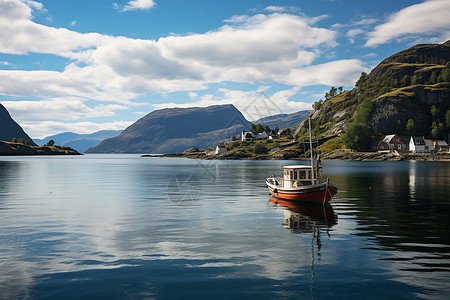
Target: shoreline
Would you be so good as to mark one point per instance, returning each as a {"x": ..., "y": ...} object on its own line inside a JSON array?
[
  {"x": 341, "y": 156},
  {"x": 16, "y": 149}
]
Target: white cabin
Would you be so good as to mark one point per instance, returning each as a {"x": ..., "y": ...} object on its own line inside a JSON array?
[
  {"x": 296, "y": 176},
  {"x": 220, "y": 150}
]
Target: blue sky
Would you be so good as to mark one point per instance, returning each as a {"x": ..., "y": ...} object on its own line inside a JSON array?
[{"x": 83, "y": 66}]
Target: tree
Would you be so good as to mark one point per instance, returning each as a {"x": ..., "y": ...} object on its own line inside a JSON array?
[
  {"x": 317, "y": 105},
  {"x": 358, "y": 137},
  {"x": 406, "y": 80},
  {"x": 414, "y": 80},
  {"x": 362, "y": 79},
  {"x": 410, "y": 127},
  {"x": 14, "y": 140},
  {"x": 277, "y": 129},
  {"x": 433, "y": 77},
  {"x": 434, "y": 111},
  {"x": 260, "y": 148},
  {"x": 332, "y": 93},
  {"x": 50, "y": 143}
]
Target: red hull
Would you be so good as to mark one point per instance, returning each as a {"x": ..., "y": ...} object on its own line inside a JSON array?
[{"x": 319, "y": 193}]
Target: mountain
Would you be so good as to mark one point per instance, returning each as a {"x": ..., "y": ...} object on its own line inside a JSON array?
[
  {"x": 407, "y": 93},
  {"x": 284, "y": 120},
  {"x": 9, "y": 129},
  {"x": 80, "y": 142},
  {"x": 177, "y": 129}
]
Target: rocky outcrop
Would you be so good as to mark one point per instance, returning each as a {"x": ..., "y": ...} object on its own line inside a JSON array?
[{"x": 388, "y": 99}]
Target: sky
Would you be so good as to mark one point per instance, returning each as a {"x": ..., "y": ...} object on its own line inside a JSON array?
[{"x": 84, "y": 66}]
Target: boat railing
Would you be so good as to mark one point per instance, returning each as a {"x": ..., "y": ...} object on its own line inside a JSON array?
[{"x": 276, "y": 181}]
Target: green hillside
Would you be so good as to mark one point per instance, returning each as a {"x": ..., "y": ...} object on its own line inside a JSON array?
[{"x": 407, "y": 93}]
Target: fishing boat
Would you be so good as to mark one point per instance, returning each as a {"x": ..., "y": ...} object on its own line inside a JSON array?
[{"x": 301, "y": 183}]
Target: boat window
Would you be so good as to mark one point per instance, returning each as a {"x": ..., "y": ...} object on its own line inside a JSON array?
[
  {"x": 302, "y": 174},
  {"x": 295, "y": 175}
]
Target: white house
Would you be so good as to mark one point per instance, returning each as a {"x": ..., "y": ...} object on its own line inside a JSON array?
[
  {"x": 220, "y": 149},
  {"x": 420, "y": 144},
  {"x": 247, "y": 136}
]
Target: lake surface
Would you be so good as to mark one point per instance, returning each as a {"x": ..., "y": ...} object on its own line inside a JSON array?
[{"x": 121, "y": 226}]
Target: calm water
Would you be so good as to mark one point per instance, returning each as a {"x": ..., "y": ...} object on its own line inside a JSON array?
[{"x": 121, "y": 226}]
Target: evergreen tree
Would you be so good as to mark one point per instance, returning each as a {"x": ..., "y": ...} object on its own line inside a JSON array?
[
  {"x": 358, "y": 137},
  {"x": 406, "y": 80},
  {"x": 433, "y": 78},
  {"x": 362, "y": 79},
  {"x": 410, "y": 127}
]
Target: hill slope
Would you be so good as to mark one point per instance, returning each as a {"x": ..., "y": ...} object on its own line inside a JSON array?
[
  {"x": 407, "y": 93},
  {"x": 79, "y": 142},
  {"x": 9, "y": 129},
  {"x": 176, "y": 129}
]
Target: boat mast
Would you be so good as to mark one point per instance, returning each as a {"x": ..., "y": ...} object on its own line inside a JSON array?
[{"x": 311, "y": 150}]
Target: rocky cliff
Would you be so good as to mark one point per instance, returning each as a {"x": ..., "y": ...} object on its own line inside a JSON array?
[{"x": 408, "y": 89}]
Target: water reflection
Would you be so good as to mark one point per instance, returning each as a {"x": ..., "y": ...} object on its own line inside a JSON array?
[
  {"x": 306, "y": 217},
  {"x": 108, "y": 227}
]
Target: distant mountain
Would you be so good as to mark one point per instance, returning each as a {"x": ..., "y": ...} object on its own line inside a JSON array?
[
  {"x": 284, "y": 120},
  {"x": 408, "y": 93},
  {"x": 177, "y": 129},
  {"x": 79, "y": 142},
  {"x": 9, "y": 129}
]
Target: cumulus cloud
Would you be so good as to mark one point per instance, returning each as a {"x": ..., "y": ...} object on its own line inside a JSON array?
[
  {"x": 258, "y": 48},
  {"x": 429, "y": 18},
  {"x": 62, "y": 109},
  {"x": 263, "y": 48},
  {"x": 139, "y": 5},
  {"x": 340, "y": 72}
]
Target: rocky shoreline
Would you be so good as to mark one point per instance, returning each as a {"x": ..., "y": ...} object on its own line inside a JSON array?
[
  {"x": 345, "y": 156},
  {"x": 14, "y": 149}
]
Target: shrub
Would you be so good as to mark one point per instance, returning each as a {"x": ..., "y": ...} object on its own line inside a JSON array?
[{"x": 260, "y": 148}]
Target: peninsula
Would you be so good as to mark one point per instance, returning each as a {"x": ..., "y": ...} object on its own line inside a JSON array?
[{"x": 10, "y": 149}]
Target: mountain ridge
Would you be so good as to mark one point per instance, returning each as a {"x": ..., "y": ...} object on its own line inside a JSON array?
[
  {"x": 77, "y": 141},
  {"x": 177, "y": 129},
  {"x": 10, "y": 129}
]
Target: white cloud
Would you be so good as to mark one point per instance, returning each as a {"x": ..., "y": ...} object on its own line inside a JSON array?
[
  {"x": 265, "y": 49},
  {"x": 354, "y": 32},
  {"x": 139, "y": 5},
  {"x": 340, "y": 72},
  {"x": 260, "y": 48},
  {"x": 59, "y": 109},
  {"x": 429, "y": 19},
  {"x": 363, "y": 22},
  {"x": 41, "y": 130}
]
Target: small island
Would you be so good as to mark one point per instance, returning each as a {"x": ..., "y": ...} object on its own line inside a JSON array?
[{"x": 10, "y": 149}]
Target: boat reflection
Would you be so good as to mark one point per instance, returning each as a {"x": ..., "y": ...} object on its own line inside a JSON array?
[{"x": 306, "y": 217}]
